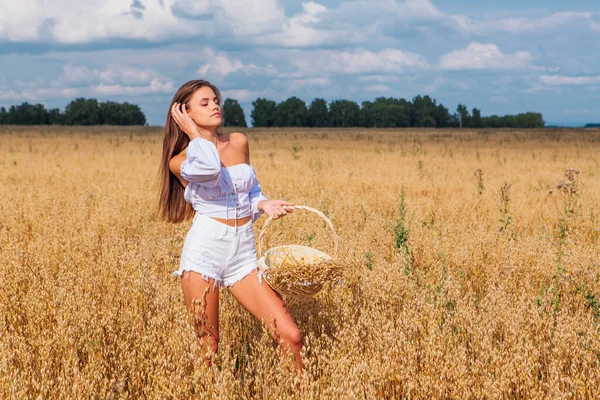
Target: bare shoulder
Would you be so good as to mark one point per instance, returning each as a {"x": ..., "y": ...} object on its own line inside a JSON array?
[
  {"x": 240, "y": 142},
  {"x": 238, "y": 139}
]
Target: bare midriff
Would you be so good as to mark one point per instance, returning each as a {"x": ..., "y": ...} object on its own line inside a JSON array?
[{"x": 232, "y": 222}]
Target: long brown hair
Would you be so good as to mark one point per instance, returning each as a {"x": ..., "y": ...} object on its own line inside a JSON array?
[{"x": 172, "y": 206}]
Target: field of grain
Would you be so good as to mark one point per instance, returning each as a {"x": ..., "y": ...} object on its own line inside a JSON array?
[{"x": 475, "y": 268}]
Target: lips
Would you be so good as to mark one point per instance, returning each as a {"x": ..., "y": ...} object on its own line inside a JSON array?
[{"x": 216, "y": 115}]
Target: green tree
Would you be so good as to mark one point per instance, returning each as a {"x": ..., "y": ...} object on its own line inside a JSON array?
[
  {"x": 113, "y": 113},
  {"x": 133, "y": 114},
  {"x": 234, "y": 114},
  {"x": 27, "y": 114},
  {"x": 385, "y": 113},
  {"x": 454, "y": 121},
  {"x": 423, "y": 112},
  {"x": 367, "y": 114},
  {"x": 291, "y": 112},
  {"x": 55, "y": 117},
  {"x": 318, "y": 114},
  {"x": 510, "y": 121},
  {"x": 493, "y": 121},
  {"x": 442, "y": 117},
  {"x": 344, "y": 113},
  {"x": 476, "y": 121},
  {"x": 78, "y": 112},
  {"x": 463, "y": 116},
  {"x": 83, "y": 112},
  {"x": 530, "y": 120},
  {"x": 263, "y": 112}
]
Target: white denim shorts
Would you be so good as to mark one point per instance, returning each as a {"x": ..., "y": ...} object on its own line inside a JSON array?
[{"x": 218, "y": 251}]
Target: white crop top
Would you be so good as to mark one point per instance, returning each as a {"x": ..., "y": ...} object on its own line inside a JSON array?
[{"x": 215, "y": 191}]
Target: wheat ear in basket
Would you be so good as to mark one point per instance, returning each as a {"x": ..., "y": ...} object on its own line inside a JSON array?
[{"x": 298, "y": 270}]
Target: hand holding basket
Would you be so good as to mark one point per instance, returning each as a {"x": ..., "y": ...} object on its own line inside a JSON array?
[{"x": 298, "y": 270}]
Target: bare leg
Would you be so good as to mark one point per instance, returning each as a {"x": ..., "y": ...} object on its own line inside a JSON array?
[
  {"x": 268, "y": 307},
  {"x": 202, "y": 302}
]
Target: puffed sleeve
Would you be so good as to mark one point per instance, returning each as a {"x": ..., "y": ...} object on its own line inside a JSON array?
[
  {"x": 202, "y": 164},
  {"x": 255, "y": 196}
]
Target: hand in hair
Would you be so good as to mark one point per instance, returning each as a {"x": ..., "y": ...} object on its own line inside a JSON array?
[{"x": 184, "y": 121}]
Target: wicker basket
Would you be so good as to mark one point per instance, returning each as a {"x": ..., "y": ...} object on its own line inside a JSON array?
[{"x": 315, "y": 268}]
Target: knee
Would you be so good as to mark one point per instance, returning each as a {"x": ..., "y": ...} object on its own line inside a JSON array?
[
  {"x": 208, "y": 351},
  {"x": 292, "y": 338},
  {"x": 213, "y": 346},
  {"x": 209, "y": 342}
]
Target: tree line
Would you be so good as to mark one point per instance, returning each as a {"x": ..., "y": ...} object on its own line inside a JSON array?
[
  {"x": 78, "y": 112},
  {"x": 422, "y": 111}
]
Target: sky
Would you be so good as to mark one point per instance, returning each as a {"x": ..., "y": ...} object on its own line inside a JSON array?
[{"x": 503, "y": 57}]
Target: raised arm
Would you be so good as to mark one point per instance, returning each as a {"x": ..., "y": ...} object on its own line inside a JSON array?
[{"x": 201, "y": 164}]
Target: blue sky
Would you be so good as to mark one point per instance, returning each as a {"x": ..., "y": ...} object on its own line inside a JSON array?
[{"x": 503, "y": 57}]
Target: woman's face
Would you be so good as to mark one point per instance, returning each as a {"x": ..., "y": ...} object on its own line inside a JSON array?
[{"x": 204, "y": 108}]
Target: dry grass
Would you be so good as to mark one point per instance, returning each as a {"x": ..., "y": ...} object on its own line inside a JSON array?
[{"x": 487, "y": 287}]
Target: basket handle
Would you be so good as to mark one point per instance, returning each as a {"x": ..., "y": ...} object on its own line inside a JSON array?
[{"x": 261, "y": 235}]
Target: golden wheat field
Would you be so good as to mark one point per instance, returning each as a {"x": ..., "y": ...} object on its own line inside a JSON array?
[{"x": 475, "y": 268}]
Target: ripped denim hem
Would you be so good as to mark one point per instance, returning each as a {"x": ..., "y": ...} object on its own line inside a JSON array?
[
  {"x": 216, "y": 281},
  {"x": 245, "y": 272}
]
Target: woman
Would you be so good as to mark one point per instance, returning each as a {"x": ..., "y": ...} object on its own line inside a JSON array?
[{"x": 208, "y": 173}]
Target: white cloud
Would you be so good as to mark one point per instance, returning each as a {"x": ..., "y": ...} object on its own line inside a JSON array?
[
  {"x": 433, "y": 86},
  {"x": 560, "y": 80},
  {"x": 38, "y": 95},
  {"x": 71, "y": 21},
  {"x": 577, "y": 111},
  {"x": 154, "y": 86},
  {"x": 498, "y": 99},
  {"x": 421, "y": 8},
  {"x": 405, "y": 11},
  {"x": 115, "y": 74},
  {"x": 303, "y": 30},
  {"x": 20, "y": 21},
  {"x": 77, "y": 80},
  {"x": 232, "y": 17},
  {"x": 240, "y": 95},
  {"x": 311, "y": 8},
  {"x": 195, "y": 8},
  {"x": 354, "y": 22},
  {"x": 479, "y": 56},
  {"x": 297, "y": 84},
  {"x": 521, "y": 25},
  {"x": 379, "y": 78},
  {"x": 221, "y": 65},
  {"x": 462, "y": 85},
  {"x": 552, "y": 21},
  {"x": 378, "y": 88},
  {"x": 243, "y": 17},
  {"x": 94, "y": 20},
  {"x": 245, "y": 96},
  {"x": 359, "y": 61}
]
